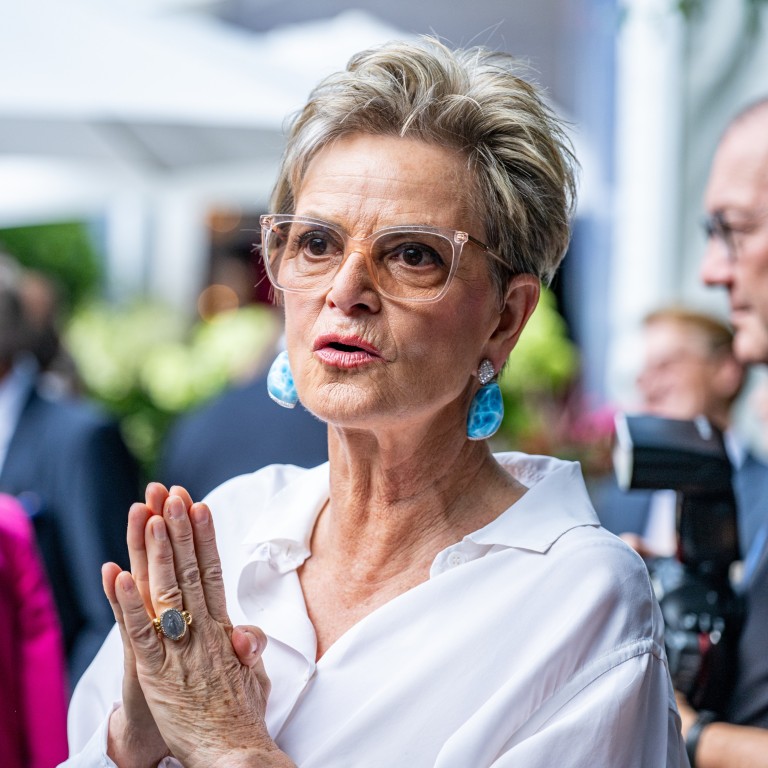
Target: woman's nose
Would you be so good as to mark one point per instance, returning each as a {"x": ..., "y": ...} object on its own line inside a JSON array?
[{"x": 353, "y": 285}]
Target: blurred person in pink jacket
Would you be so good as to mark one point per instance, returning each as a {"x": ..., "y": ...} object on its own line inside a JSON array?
[{"x": 32, "y": 679}]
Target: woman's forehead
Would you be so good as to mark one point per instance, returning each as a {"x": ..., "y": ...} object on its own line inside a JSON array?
[{"x": 376, "y": 181}]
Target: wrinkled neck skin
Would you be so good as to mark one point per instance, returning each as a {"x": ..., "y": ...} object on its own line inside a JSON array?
[{"x": 398, "y": 496}]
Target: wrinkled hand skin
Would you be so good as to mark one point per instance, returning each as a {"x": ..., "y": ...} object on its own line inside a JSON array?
[
  {"x": 206, "y": 703},
  {"x": 201, "y": 698},
  {"x": 134, "y": 739}
]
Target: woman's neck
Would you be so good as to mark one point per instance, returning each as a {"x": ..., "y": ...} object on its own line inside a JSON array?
[
  {"x": 389, "y": 500},
  {"x": 390, "y": 512}
]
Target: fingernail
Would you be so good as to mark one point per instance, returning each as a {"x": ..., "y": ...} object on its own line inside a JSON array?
[
  {"x": 176, "y": 508},
  {"x": 126, "y": 584},
  {"x": 256, "y": 646},
  {"x": 158, "y": 530},
  {"x": 201, "y": 515}
]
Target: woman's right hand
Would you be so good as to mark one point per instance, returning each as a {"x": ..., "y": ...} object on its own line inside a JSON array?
[{"x": 134, "y": 740}]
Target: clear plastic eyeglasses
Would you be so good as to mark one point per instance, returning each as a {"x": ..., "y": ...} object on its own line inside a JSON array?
[
  {"x": 410, "y": 263},
  {"x": 717, "y": 227}
]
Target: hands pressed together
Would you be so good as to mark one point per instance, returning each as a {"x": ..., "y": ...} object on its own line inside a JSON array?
[{"x": 200, "y": 698}]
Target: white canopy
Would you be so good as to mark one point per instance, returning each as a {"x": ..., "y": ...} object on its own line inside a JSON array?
[{"x": 149, "y": 118}]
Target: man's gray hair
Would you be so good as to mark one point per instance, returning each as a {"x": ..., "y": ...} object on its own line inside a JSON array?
[{"x": 471, "y": 100}]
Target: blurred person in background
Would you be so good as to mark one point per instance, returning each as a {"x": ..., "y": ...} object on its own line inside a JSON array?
[
  {"x": 33, "y": 702},
  {"x": 67, "y": 462},
  {"x": 40, "y": 298},
  {"x": 417, "y": 600},
  {"x": 688, "y": 370},
  {"x": 736, "y": 258}
]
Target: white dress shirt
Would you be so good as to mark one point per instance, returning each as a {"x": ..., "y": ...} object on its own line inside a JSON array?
[{"x": 536, "y": 641}]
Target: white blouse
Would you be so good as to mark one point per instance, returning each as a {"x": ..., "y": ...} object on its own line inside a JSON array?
[{"x": 536, "y": 641}]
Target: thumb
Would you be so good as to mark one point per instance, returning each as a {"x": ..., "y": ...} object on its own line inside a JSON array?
[{"x": 248, "y": 643}]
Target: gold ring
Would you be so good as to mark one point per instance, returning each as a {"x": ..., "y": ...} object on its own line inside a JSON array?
[{"x": 172, "y": 623}]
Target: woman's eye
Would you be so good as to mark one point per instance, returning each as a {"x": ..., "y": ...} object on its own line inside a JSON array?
[
  {"x": 316, "y": 244},
  {"x": 415, "y": 255}
]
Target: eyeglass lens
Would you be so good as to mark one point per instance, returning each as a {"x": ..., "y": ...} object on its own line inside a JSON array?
[
  {"x": 730, "y": 233},
  {"x": 716, "y": 228},
  {"x": 305, "y": 256}
]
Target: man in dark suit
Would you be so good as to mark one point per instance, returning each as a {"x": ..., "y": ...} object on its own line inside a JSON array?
[
  {"x": 237, "y": 432},
  {"x": 69, "y": 466},
  {"x": 736, "y": 258},
  {"x": 688, "y": 369}
]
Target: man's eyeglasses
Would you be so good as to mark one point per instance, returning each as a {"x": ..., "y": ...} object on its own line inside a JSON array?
[
  {"x": 410, "y": 263},
  {"x": 729, "y": 233}
]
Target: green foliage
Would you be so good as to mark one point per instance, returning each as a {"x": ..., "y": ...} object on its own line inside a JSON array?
[
  {"x": 146, "y": 365},
  {"x": 544, "y": 410},
  {"x": 63, "y": 251},
  {"x": 540, "y": 369}
]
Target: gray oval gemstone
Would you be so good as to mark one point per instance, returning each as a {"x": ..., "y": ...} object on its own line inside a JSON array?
[{"x": 172, "y": 623}]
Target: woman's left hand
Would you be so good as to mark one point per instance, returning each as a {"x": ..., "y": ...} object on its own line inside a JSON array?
[{"x": 207, "y": 690}]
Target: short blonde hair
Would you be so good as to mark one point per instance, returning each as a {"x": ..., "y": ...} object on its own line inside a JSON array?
[
  {"x": 474, "y": 101},
  {"x": 717, "y": 334}
]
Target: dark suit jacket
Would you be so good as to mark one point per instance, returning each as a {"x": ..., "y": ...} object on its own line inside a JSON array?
[
  {"x": 237, "y": 432},
  {"x": 750, "y": 484},
  {"x": 72, "y": 471},
  {"x": 627, "y": 512},
  {"x": 749, "y": 700}
]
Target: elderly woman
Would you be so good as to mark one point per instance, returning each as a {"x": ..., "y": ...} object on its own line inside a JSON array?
[{"x": 417, "y": 601}]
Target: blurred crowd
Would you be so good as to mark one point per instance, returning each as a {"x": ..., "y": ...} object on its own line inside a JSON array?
[{"x": 67, "y": 479}]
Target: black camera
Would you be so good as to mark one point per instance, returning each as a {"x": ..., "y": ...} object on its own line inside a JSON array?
[{"x": 702, "y": 613}]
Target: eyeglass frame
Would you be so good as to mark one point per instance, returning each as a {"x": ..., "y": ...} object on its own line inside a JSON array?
[
  {"x": 716, "y": 226},
  {"x": 456, "y": 237}
]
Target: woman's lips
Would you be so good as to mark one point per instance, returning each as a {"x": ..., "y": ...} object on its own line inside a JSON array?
[{"x": 345, "y": 351}]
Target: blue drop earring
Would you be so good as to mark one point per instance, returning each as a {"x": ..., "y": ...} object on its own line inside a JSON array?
[
  {"x": 280, "y": 382},
  {"x": 486, "y": 410}
]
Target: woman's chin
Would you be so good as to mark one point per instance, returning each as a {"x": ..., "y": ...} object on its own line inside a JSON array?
[{"x": 344, "y": 405}]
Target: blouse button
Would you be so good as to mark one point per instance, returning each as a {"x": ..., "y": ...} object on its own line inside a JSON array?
[{"x": 456, "y": 558}]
